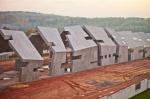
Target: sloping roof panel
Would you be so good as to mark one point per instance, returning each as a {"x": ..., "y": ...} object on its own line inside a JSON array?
[
  {"x": 51, "y": 35},
  {"x": 130, "y": 39},
  {"x": 99, "y": 33},
  {"x": 77, "y": 38},
  {"x": 22, "y": 45},
  {"x": 116, "y": 37},
  {"x": 143, "y": 38}
]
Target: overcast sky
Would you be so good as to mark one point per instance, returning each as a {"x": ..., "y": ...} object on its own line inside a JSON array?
[{"x": 83, "y": 8}]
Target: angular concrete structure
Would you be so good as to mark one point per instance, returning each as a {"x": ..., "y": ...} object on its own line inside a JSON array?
[
  {"x": 84, "y": 49},
  {"x": 135, "y": 47},
  {"x": 122, "y": 47},
  {"x": 144, "y": 39},
  {"x": 106, "y": 47},
  {"x": 29, "y": 59},
  {"x": 57, "y": 50}
]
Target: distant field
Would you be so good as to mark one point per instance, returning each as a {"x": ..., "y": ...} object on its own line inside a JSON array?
[{"x": 143, "y": 95}]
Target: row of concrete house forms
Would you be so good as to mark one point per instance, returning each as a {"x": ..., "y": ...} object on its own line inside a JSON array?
[
  {"x": 79, "y": 48},
  {"x": 74, "y": 49}
]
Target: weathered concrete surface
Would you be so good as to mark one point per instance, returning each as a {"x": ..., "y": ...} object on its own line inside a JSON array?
[
  {"x": 27, "y": 53},
  {"x": 135, "y": 47},
  {"x": 122, "y": 47},
  {"x": 57, "y": 50},
  {"x": 107, "y": 48},
  {"x": 144, "y": 39},
  {"x": 84, "y": 50}
]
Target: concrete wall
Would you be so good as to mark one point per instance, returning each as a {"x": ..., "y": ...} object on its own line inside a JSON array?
[
  {"x": 56, "y": 62},
  {"x": 29, "y": 72},
  {"x": 147, "y": 49},
  {"x": 137, "y": 53},
  {"x": 128, "y": 92},
  {"x": 107, "y": 50},
  {"x": 122, "y": 47},
  {"x": 88, "y": 59},
  {"x": 57, "y": 58},
  {"x": 123, "y": 54}
]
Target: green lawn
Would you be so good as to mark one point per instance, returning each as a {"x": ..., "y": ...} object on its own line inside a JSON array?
[{"x": 143, "y": 95}]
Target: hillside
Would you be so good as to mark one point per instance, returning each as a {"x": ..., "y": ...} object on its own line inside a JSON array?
[{"x": 28, "y": 20}]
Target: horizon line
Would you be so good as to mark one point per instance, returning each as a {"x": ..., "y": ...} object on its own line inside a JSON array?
[{"x": 76, "y": 16}]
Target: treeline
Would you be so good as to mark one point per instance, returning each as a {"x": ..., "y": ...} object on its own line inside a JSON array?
[{"x": 27, "y": 20}]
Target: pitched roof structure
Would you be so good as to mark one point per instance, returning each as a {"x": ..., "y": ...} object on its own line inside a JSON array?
[
  {"x": 131, "y": 40},
  {"x": 20, "y": 43},
  {"x": 143, "y": 38},
  {"x": 77, "y": 38},
  {"x": 116, "y": 37},
  {"x": 99, "y": 33},
  {"x": 52, "y": 38}
]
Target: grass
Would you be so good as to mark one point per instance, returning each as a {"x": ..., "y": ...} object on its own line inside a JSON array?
[{"x": 143, "y": 95}]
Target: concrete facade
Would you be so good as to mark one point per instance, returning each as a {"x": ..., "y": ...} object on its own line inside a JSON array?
[
  {"x": 122, "y": 47},
  {"x": 57, "y": 50},
  {"x": 106, "y": 47},
  {"x": 135, "y": 47},
  {"x": 84, "y": 50},
  {"x": 29, "y": 58},
  {"x": 129, "y": 91},
  {"x": 144, "y": 39}
]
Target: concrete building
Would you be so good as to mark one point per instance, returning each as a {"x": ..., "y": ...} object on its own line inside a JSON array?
[
  {"x": 49, "y": 38},
  {"x": 135, "y": 47},
  {"x": 144, "y": 39},
  {"x": 29, "y": 60},
  {"x": 106, "y": 47},
  {"x": 122, "y": 47},
  {"x": 84, "y": 49}
]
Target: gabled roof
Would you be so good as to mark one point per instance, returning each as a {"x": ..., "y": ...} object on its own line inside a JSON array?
[
  {"x": 131, "y": 40},
  {"x": 77, "y": 38},
  {"x": 116, "y": 37},
  {"x": 143, "y": 38},
  {"x": 51, "y": 36},
  {"x": 98, "y": 33},
  {"x": 20, "y": 43}
]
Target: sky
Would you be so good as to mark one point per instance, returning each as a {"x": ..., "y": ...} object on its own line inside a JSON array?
[{"x": 81, "y": 8}]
